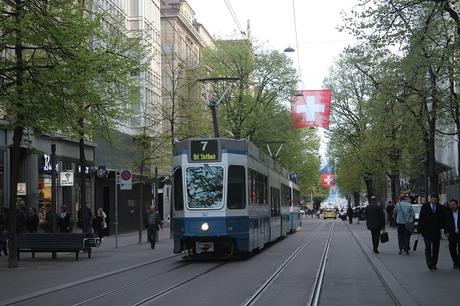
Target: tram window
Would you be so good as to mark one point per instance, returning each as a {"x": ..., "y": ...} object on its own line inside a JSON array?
[
  {"x": 275, "y": 201},
  {"x": 236, "y": 193},
  {"x": 205, "y": 186},
  {"x": 285, "y": 195},
  {"x": 257, "y": 187},
  {"x": 178, "y": 190}
]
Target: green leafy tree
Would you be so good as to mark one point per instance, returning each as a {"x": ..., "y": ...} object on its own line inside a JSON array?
[
  {"x": 60, "y": 71},
  {"x": 427, "y": 43},
  {"x": 256, "y": 106}
]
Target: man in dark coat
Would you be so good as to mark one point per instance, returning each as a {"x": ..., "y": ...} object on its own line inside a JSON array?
[
  {"x": 350, "y": 214},
  {"x": 431, "y": 221},
  {"x": 375, "y": 221},
  {"x": 452, "y": 230}
]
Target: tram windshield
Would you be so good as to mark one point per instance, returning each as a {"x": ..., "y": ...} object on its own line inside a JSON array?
[{"x": 205, "y": 186}]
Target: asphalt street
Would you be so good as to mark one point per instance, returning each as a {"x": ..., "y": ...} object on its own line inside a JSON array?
[{"x": 353, "y": 274}]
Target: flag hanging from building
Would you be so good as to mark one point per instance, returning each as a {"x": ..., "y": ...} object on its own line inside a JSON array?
[
  {"x": 327, "y": 178},
  {"x": 311, "y": 109}
]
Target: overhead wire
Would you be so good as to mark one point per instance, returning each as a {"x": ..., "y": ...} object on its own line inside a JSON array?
[
  {"x": 235, "y": 18},
  {"x": 296, "y": 39},
  {"x": 238, "y": 25}
]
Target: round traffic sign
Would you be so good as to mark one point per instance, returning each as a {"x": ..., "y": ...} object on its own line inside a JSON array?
[{"x": 125, "y": 175}]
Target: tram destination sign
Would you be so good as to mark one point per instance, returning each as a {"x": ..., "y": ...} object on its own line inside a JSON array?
[{"x": 204, "y": 150}]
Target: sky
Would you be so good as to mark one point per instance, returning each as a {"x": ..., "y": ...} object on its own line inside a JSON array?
[{"x": 272, "y": 23}]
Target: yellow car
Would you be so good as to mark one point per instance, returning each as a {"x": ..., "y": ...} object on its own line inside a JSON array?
[{"x": 329, "y": 213}]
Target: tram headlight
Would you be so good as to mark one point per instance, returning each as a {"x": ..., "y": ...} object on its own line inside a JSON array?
[{"x": 205, "y": 227}]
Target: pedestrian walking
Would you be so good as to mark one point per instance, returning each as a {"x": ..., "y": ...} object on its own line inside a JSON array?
[
  {"x": 20, "y": 220},
  {"x": 99, "y": 223},
  {"x": 42, "y": 218},
  {"x": 32, "y": 220},
  {"x": 404, "y": 222},
  {"x": 431, "y": 221},
  {"x": 4, "y": 224},
  {"x": 375, "y": 221},
  {"x": 51, "y": 220},
  {"x": 153, "y": 223},
  {"x": 390, "y": 208},
  {"x": 350, "y": 214},
  {"x": 64, "y": 220},
  {"x": 85, "y": 217},
  {"x": 452, "y": 230}
]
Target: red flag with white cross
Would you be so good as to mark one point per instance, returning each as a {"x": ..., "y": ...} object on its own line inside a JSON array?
[
  {"x": 328, "y": 180},
  {"x": 311, "y": 109}
]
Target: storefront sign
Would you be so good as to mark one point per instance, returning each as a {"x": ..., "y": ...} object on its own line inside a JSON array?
[
  {"x": 47, "y": 163},
  {"x": 22, "y": 190},
  {"x": 66, "y": 178}
]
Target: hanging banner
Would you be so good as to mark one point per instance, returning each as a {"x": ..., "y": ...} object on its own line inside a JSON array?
[{"x": 311, "y": 109}]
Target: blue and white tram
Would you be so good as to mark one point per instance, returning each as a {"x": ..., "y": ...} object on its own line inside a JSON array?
[
  {"x": 294, "y": 208},
  {"x": 228, "y": 197}
]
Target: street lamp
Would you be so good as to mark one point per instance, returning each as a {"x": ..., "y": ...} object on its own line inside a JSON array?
[{"x": 289, "y": 49}]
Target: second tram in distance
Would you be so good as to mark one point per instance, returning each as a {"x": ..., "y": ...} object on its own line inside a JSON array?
[{"x": 229, "y": 198}]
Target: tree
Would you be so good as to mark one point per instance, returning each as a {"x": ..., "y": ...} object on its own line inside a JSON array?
[
  {"x": 425, "y": 43},
  {"x": 256, "y": 106},
  {"x": 60, "y": 71}
]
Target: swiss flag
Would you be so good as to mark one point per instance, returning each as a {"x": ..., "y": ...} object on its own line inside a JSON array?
[
  {"x": 311, "y": 108},
  {"x": 328, "y": 180}
]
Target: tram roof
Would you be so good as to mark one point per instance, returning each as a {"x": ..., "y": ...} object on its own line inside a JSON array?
[{"x": 243, "y": 146}]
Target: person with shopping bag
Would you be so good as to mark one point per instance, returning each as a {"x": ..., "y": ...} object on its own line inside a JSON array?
[
  {"x": 375, "y": 221},
  {"x": 405, "y": 215}
]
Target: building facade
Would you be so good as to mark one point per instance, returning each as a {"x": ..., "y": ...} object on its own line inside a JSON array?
[{"x": 141, "y": 18}]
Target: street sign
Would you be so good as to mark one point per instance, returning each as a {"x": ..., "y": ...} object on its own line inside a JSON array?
[
  {"x": 126, "y": 180},
  {"x": 66, "y": 178}
]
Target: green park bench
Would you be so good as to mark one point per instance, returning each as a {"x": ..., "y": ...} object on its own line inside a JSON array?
[{"x": 55, "y": 242}]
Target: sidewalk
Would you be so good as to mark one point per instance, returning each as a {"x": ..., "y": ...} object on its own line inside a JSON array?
[{"x": 42, "y": 272}]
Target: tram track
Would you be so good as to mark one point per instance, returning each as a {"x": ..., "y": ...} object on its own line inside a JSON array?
[
  {"x": 65, "y": 286},
  {"x": 176, "y": 286},
  {"x": 313, "y": 299},
  {"x": 389, "y": 282},
  {"x": 252, "y": 300}
]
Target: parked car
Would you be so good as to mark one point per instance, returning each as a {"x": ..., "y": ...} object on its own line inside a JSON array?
[{"x": 343, "y": 214}]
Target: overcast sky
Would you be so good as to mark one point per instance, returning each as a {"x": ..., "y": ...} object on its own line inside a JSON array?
[{"x": 272, "y": 23}]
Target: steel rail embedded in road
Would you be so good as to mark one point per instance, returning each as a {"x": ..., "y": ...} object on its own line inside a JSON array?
[
  {"x": 253, "y": 298},
  {"x": 176, "y": 286},
  {"x": 313, "y": 299},
  {"x": 126, "y": 286},
  {"x": 81, "y": 281},
  {"x": 376, "y": 270}
]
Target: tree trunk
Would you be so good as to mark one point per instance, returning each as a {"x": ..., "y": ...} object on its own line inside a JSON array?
[
  {"x": 369, "y": 187},
  {"x": 82, "y": 174},
  {"x": 434, "y": 180},
  {"x": 17, "y": 138},
  {"x": 395, "y": 188},
  {"x": 356, "y": 199},
  {"x": 14, "y": 173}
]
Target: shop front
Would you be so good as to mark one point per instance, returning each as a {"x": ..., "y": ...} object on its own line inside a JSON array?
[{"x": 35, "y": 182}]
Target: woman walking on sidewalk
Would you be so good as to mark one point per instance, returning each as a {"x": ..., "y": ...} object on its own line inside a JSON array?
[{"x": 99, "y": 223}]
